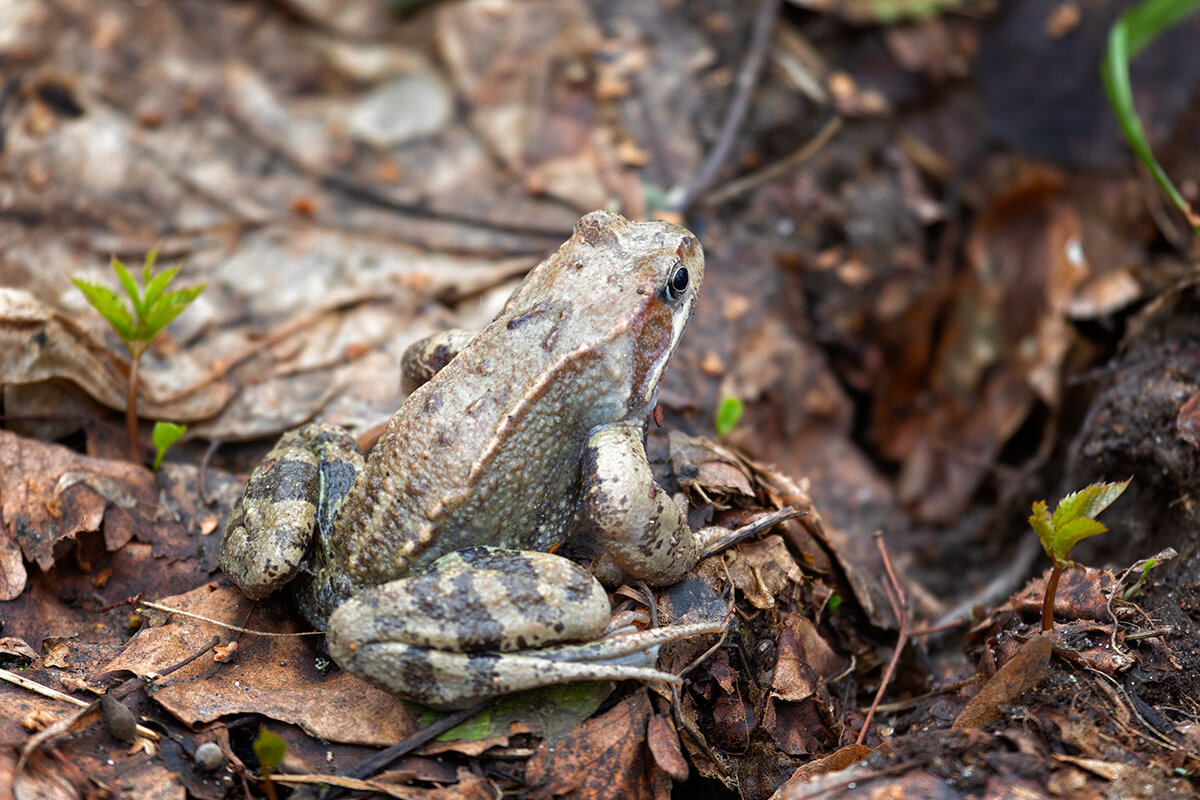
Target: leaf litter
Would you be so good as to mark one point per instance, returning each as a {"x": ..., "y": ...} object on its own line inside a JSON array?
[{"x": 907, "y": 320}]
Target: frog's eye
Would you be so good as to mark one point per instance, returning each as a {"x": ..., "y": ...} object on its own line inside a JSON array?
[{"x": 678, "y": 282}]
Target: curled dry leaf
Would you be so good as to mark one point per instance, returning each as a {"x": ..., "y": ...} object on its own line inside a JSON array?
[
  {"x": 37, "y": 343},
  {"x": 52, "y": 493}
]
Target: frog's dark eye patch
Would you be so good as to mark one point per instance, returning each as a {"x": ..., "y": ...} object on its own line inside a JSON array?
[{"x": 677, "y": 283}]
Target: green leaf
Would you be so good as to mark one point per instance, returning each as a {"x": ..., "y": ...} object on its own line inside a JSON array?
[
  {"x": 156, "y": 285},
  {"x": 549, "y": 711},
  {"x": 131, "y": 289},
  {"x": 1041, "y": 521},
  {"x": 1070, "y": 534},
  {"x": 728, "y": 414},
  {"x": 1133, "y": 30},
  {"x": 1088, "y": 501},
  {"x": 269, "y": 749},
  {"x": 151, "y": 258},
  {"x": 835, "y": 602},
  {"x": 164, "y": 435},
  {"x": 159, "y": 318},
  {"x": 110, "y": 305},
  {"x": 1074, "y": 518}
]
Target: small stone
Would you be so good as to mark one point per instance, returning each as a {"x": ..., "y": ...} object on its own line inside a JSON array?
[
  {"x": 208, "y": 757},
  {"x": 401, "y": 110}
]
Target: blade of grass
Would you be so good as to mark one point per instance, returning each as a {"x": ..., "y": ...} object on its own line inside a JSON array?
[{"x": 1133, "y": 30}]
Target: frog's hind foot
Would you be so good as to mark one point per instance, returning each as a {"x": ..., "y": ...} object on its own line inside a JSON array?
[{"x": 446, "y": 680}]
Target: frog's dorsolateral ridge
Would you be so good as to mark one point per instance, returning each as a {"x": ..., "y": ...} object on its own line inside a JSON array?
[{"x": 427, "y": 563}]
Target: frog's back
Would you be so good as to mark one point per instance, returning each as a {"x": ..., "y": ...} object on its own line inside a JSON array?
[{"x": 487, "y": 452}]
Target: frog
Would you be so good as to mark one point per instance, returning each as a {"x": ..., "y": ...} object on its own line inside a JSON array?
[{"x": 430, "y": 563}]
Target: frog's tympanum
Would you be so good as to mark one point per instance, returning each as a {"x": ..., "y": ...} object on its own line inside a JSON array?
[{"x": 429, "y": 563}]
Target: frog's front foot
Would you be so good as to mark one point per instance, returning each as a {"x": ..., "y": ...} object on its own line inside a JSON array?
[{"x": 484, "y": 622}]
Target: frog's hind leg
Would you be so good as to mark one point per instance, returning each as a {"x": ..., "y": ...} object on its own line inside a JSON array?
[
  {"x": 484, "y": 622},
  {"x": 424, "y": 358},
  {"x": 270, "y": 528}
]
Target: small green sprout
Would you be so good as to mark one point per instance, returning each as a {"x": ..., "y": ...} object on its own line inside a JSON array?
[
  {"x": 1141, "y": 581},
  {"x": 269, "y": 748},
  {"x": 163, "y": 436},
  {"x": 835, "y": 602},
  {"x": 153, "y": 309},
  {"x": 728, "y": 414},
  {"x": 1073, "y": 520}
]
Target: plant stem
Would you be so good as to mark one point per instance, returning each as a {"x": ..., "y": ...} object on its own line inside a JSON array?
[
  {"x": 1048, "y": 600},
  {"x": 131, "y": 418}
]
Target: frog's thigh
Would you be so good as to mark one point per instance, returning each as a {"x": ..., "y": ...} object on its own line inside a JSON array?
[
  {"x": 476, "y": 600},
  {"x": 269, "y": 530},
  {"x": 425, "y": 357},
  {"x": 476, "y": 604},
  {"x": 639, "y": 526}
]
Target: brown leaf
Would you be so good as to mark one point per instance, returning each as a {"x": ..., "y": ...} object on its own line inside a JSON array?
[
  {"x": 797, "y": 728},
  {"x": 1011, "y": 681},
  {"x": 834, "y": 762},
  {"x": 52, "y": 493},
  {"x": 603, "y": 758},
  {"x": 762, "y": 569},
  {"x": 665, "y": 747},
  {"x": 276, "y": 677},
  {"x": 805, "y": 660}
]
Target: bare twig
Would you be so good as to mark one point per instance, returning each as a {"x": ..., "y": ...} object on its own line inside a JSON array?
[
  {"x": 899, "y": 605},
  {"x": 226, "y": 625},
  {"x": 384, "y": 758},
  {"x": 91, "y": 712},
  {"x": 682, "y": 195},
  {"x": 771, "y": 172}
]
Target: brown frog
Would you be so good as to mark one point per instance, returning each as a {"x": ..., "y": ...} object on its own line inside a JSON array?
[{"x": 429, "y": 563}]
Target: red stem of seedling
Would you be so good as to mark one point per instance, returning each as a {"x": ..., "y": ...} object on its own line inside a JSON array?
[
  {"x": 131, "y": 419},
  {"x": 1048, "y": 600}
]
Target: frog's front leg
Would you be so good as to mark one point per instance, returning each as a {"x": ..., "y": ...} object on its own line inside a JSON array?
[
  {"x": 640, "y": 527},
  {"x": 484, "y": 622}
]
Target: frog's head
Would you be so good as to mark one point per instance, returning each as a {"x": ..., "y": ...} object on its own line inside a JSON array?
[
  {"x": 618, "y": 293},
  {"x": 656, "y": 272}
]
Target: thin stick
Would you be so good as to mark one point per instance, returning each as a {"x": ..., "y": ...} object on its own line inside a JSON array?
[
  {"x": 682, "y": 195},
  {"x": 899, "y": 604},
  {"x": 226, "y": 625},
  {"x": 773, "y": 171},
  {"x": 384, "y": 758}
]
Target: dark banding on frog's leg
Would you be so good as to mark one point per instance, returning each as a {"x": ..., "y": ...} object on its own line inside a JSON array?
[
  {"x": 468, "y": 629},
  {"x": 291, "y": 494}
]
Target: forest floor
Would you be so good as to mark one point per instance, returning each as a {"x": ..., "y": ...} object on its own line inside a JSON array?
[{"x": 936, "y": 283}]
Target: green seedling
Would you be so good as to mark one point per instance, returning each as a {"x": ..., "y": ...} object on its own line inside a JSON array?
[
  {"x": 163, "y": 436},
  {"x": 1134, "y": 29},
  {"x": 728, "y": 414},
  {"x": 1141, "y": 581},
  {"x": 269, "y": 748},
  {"x": 1073, "y": 520},
  {"x": 153, "y": 309}
]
